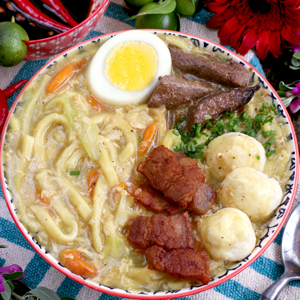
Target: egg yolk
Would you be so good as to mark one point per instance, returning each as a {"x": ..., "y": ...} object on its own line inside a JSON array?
[{"x": 131, "y": 66}]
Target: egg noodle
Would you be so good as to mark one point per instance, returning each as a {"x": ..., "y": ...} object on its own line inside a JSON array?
[{"x": 55, "y": 139}]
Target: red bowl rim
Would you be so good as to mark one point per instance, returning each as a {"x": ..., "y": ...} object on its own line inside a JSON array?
[
  {"x": 71, "y": 29},
  {"x": 120, "y": 292}
]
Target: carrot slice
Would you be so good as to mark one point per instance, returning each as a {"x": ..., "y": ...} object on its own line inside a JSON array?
[
  {"x": 72, "y": 259},
  {"x": 148, "y": 137},
  {"x": 64, "y": 75},
  {"x": 92, "y": 179},
  {"x": 43, "y": 197},
  {"x": 95, "y": 103}
]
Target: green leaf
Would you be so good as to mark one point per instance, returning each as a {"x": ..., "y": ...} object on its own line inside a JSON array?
[
  {"x": 7, "y": 293},
  {"x": 283, "y": 86},
  {"x": 287, "y": 101},
  {"x": 14, "y": 275},
  {"x": 295, "y": 62},
  {"x": 2, "y": 246},
  {"x": 165, "y": 7},
  {"x": 297, "y": 55},
  {"x": 281, "y": 93},
  {"x": 66, "y": 298},
  {"x": 294, "y": 68},
  {"x": 178, "y": 21},
  {"x": 43, "y": 293},
  {"x": 10, "y": 284}
]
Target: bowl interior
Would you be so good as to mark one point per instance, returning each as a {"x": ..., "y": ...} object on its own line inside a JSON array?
[{"x": 270, "y": 232}]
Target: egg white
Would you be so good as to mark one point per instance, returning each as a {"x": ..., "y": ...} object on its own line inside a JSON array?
[{"x": 102, "y": 89}]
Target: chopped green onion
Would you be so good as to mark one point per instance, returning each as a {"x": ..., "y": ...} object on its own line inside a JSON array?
[
  {"x": 261, "y": 109},
  {"x": 273, "y": 132},
  {"x": 207, "y": 117},
  {"x": 193, "y": 127},
  {"x": 74, "y": 173},
  {"x": 269, "y": 153},
  {"x": 271, "y": 140},
  {"x": 246, "y": 116},
  {"x": 265, "y": 133},
  {"x": 193, "y": 148},
  {"x": 208, "y": 125},
  {"x": 257, "y": 157},
  {"x": 200, "y": 147},
  {"x": 229, "y": 114},
  {"x": 176, "y": 132},
  {"x": 198, "y": 155},
  {"x": 194, "y": 142},
  {"x": 273, "y": 107},
  {"x": 276, "y": 112},
  {"x": 258, "y": 118},
  {"x": 214, "y": 130},
  {"x": 198, "y": 135},
  {"x": 265, "y": 105},
  {"x": 265, "y": 113},
  {"x": 181, "y": 119},
  {"x": 139, "y": 138}
]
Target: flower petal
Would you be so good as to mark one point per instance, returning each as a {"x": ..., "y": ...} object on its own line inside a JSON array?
[
  {"x": 295, "y": 106},
  {"x": 11, "y": 269},
  {"x": 227, "y": 30},
  {"x": 248, "y": 42},
  {"x": 263, "y": 45},
  {"x": 275, "y": 43}
]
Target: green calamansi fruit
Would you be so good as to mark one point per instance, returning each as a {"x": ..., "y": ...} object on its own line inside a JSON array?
[
  {"x": 188, "y": 8},
  {"x": 137, "y": 4},
  {"x": 168, "y": 21},
  {"x": 12, "y": 47}
]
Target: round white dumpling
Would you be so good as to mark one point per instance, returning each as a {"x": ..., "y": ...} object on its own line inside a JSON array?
[
  {"x": 228, "y": 235},
  {"x": 232, "y": 150},
  {"x": 252, "y": 192}
]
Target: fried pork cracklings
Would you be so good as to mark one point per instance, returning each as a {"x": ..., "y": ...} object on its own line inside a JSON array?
[
  {"x": 232, "y": 150},
  {"x": 227, "y": 234},
  {"x": 252, "y": 192}
]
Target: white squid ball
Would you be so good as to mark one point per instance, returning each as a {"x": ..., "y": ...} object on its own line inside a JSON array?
[
  {"x": 228, "y": 235},
  {"x": 232, "y": 150},
  {"x": 252, "y": 192}
]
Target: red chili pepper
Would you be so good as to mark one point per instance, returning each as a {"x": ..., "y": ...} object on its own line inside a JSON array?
[
  {"x": 3, "y": 102},
  {"x": 13, "y": 88},
  {"x": 32, "y": 11},
  {"x": 61, "y": 11}
]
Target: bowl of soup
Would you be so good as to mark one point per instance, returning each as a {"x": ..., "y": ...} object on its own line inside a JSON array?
[
  {"x": 149, "y": 164},
  {"x": 58, "y": 27}
]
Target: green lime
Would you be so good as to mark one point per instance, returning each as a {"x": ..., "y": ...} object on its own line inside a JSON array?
[
  {"x": 157, "y": 21},
  {"x": 198, "y": 7},
  {"x": 185, "y": 7},
  {"x": 12, "y": 48},
  {"x": 136, "y": 4}
]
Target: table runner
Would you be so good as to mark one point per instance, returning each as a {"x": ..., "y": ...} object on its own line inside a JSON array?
[{"x": 248, "y": 285}]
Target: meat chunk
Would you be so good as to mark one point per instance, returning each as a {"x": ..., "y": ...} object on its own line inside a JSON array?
[
  {"x": 216, "y": 104},
  {"x": 172, "y": 91},
  {"x": 161, "y": 167},
  {"x": 183, "y": 191},
  {"x": 231, "y": 74},
  {"x": 203, "y": 199},
  {"x": 172, "y": 232},
  {"x": 180, "y": 263},
  {"x": 146, "y": 195}
]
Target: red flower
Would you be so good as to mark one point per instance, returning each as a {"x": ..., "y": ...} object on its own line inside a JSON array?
[{"x": 266, "y": 24}]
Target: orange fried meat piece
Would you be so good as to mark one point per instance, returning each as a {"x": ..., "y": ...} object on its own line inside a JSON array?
[
  {"x": 180, "y": 263},
  {"x": 146, "y": 195},
  {"x": 168, "y": 232}
]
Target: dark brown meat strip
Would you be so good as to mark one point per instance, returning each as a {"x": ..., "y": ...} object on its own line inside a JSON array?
[
  {"x": 203, "y": 199},
  {"x": 172, "y": 91},
  {"x": 216, "y": 104},
  {"x": 146, "y": 195},
  {"x": 172, "y": 232},
  {"x": 161, "y": 167},
  {"x": 180, "y": 263},
  {"x": 183, "y": 190},
  {"x": 232, "y": 73}
]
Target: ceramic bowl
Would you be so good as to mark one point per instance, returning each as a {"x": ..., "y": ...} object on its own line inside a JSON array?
[
  {"x": 270, "y": 232},
  {"x": 44, "y": 48}
]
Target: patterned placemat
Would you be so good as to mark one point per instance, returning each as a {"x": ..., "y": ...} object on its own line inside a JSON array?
[{"x": 248, "y": 285}]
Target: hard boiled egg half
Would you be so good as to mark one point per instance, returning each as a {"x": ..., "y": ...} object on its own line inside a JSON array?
[{"x": 126, "y": 68}]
